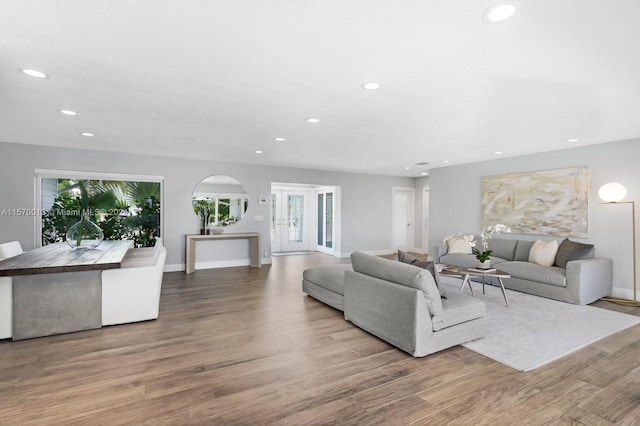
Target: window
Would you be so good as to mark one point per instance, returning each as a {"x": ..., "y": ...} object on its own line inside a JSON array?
[{"x": 125, "y": 207}]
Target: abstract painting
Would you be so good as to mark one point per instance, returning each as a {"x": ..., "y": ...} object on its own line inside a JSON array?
[{"x": 548, "y": 202}]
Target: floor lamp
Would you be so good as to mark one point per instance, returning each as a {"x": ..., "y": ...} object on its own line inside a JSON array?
[{"x": 613, "y": 193}]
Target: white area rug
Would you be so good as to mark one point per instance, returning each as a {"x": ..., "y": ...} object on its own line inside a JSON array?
[{"x": 534, "y": 331}]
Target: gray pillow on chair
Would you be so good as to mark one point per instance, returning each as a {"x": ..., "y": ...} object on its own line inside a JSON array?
[{"x": 424, "y": 264}]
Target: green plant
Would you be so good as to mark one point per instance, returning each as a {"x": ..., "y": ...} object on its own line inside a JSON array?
[
  {"x": 145, "y": 225},
  {"x": 203, "y": 209},
  {"x": 484, "y": 254},
  {"x": 64, "y": 212}
]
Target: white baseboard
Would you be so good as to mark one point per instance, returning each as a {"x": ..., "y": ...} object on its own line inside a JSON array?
[
  {"x": 622, "y": 293},
  {"x": 176, "y": 267}
]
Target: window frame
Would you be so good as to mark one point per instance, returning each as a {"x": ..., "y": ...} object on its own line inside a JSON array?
[{"x": 40, "y": 174}]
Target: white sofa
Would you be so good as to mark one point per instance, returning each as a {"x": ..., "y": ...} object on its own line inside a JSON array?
[
  {"x": 10, "y": 249},
  {"x": 132, "y": 292}
]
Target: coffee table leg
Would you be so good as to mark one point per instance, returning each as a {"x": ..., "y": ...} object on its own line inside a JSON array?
[
  {"x": 467, "y": 281},
  {"x": 504, "y": 293}
]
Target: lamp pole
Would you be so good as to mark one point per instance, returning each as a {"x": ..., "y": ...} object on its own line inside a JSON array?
[{"x": 621, "y": 301}]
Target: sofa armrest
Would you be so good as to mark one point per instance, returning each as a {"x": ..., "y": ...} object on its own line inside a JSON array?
[
  {"x": 589, "y": 279},
  {"x": 392, "y": 312},
  {"x": 439, "y": 251}
]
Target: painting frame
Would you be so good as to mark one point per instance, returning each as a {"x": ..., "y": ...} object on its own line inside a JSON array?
[{"x": 548, "y": 202}]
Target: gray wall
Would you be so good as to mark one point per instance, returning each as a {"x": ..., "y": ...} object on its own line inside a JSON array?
[
  {"x": 366, "y": 217},
  {"x": 455, "y": 198}
]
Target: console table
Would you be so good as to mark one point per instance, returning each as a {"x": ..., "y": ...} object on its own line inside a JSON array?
[
  {"x": 56, "y": 289},
  {"x": 254, "y": 247}
]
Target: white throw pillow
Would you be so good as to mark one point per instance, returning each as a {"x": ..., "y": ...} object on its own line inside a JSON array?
[
  {"x": 543, "y": 252},
  {"x": 456, "y": 245}
]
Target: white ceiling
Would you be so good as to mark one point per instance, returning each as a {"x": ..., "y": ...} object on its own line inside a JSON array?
[{"x": 221, "y": 79}]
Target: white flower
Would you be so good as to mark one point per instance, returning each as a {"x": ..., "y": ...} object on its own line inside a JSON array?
[
  {"x": 487, "y": 234},
  {"x": 460, "y": 236}
]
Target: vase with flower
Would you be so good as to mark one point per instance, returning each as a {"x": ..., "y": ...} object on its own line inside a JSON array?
[{"x": 483, "y": 256}]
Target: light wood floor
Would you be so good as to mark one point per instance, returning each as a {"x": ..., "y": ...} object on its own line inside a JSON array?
[{"x": 244, "y": 346}]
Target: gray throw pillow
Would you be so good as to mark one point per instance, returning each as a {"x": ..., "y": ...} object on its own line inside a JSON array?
[
  {"x": 406, "y": 257},
  {"x": 424, "y": 264},
  {"x": 571, "y": 250}
]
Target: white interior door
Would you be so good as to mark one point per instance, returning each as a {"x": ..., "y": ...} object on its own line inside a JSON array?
[
  {"x": 290, "y": 220},
  {"x": 425, "y": 220},
  {"x": 403, "y": 201}
]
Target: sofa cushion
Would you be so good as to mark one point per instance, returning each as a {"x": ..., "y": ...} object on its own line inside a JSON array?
[
  {"x": 533, "y": 272},
  {"x": 457, "y": 245},
  {"x": 400, "y": 273},
  {"x": 571, "y": 250},
  {"x": 523, "y": 249},
  {"x": 330, "y": 277},
  {"x": 505, "y": 249},
  {"x": 543, "y": 252},
  {"x": 456, "y": 309}
]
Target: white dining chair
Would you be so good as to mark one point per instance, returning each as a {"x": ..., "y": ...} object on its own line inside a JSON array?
[
  {"x": 10, "y": 249},
  {"x": 132, "y": 293}
]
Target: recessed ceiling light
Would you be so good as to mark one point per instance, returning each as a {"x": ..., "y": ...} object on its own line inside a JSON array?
[
  {"x": 423, "y": 174},
  {"x": 34, "y": 73},
  {"x": 498, "y": 152},
  {"x": 573, "y": 140},
  {"x": 499, "y": 13},
  {"x": 68, "y": 112},
  {"x": 258, "y": 151},
  {"x": 407, "y": 168},
  {"x": 87, "y": 134},
  {"x": 445, "y": 161},
  {"x": 279, "y": 139},
  {"x": 312, "y": 120},
  {"x": 371, "y": 86}
]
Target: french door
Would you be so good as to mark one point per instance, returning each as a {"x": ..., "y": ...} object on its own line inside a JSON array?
[
  {"x": 290, "y": 220},
  {"x": 325, "y": 203}
]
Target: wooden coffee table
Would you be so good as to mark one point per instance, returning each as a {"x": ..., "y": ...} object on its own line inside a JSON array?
[{"x": 467, "y": 273}]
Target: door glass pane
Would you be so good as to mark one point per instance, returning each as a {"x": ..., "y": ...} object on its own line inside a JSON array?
[
  {"x": 295, "y": 215},
  {"x": 273, "y": 217},
  {"x": 329, "y": 220},
  {"x": 320, "y": 219}
]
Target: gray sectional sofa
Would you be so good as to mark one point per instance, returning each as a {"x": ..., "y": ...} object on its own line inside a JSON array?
[
  {"x": 576, "y": 277},
  {"x": 397, "y": 302}
]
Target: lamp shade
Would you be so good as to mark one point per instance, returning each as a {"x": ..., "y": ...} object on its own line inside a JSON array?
[{"x": 612, "y": 192}]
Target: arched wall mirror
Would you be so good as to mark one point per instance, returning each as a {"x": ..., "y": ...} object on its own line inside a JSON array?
[{"x": 219, "y": 201}]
